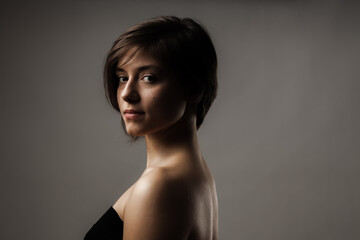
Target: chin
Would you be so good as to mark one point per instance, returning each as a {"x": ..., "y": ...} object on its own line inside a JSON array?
[
  {"x": 133, "y": 132},
  {"x": 131, "y": 129}
]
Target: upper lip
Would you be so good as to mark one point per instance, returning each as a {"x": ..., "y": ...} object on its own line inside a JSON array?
[{"x": 132, "y": 111}]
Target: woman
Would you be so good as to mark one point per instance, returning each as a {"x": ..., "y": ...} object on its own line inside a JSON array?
[{"x": 161, "y": 76}]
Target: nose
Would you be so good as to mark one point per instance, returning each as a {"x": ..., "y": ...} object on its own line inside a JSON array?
[{"x": 130, "y": 92}]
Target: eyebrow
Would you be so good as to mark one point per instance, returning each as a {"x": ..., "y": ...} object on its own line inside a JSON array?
[{"x": 140, "y": 69}]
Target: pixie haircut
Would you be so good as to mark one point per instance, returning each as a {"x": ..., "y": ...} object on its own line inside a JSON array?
[{"x": 182, "y": 47}]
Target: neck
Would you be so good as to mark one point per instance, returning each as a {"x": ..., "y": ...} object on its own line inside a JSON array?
[{"x": 179, "y": 138}]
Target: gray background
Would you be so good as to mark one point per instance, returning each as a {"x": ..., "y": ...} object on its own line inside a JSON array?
[{"x": 282, "y": 138}]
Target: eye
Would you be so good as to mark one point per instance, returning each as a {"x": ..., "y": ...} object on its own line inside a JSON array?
[
  {"x": 122, "y": 79},
  {"x": 149, "y": 78}
]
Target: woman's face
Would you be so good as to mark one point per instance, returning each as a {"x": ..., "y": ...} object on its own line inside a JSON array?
[{"x": 149, "y": 99}]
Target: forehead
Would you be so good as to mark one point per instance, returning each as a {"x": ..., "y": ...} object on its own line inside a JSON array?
[{"x": 135, "y": 58}]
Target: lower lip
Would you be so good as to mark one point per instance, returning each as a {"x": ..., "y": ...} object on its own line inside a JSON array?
[{"x": 133, "y": 116}]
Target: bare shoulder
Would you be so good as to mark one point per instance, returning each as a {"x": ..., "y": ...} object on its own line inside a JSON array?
[
  {"x": 162, "y": 177},
  {"x": 159, "y": 184},
  {"x": 160, "y": 206}
]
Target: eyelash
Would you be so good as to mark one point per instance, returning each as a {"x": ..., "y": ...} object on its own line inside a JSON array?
[
  {"x": 151, "y": 78},
  {"x": 121, "y": 79}
]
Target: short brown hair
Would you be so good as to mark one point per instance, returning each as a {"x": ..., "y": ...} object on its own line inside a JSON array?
[{"x": 182, "y": 45}]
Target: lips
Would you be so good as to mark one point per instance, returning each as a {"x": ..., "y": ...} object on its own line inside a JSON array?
[
  {"x": 131, "y": 111},
  {"x": 133, "y": 114}
]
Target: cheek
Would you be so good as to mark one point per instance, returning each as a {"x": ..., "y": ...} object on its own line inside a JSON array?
[
  {"x": 119, "y": 99},
  {"x": 118, "y": 96},
  {"x": 169, "y": 104}
]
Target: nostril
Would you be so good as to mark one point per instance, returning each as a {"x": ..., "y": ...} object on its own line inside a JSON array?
[{"x": 130, "y": 96}]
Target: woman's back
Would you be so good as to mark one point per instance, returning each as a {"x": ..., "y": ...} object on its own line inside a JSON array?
[{"x": 175, "y": 201}]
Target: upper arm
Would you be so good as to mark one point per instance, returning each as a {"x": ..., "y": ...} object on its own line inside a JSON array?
[{"x": 158, "y": 208}]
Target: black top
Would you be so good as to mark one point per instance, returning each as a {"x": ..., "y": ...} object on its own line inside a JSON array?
[{"x": 108, "y": 227}]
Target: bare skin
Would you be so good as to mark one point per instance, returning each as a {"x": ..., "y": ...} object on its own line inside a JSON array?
[{"x": 175, "y": 197}]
